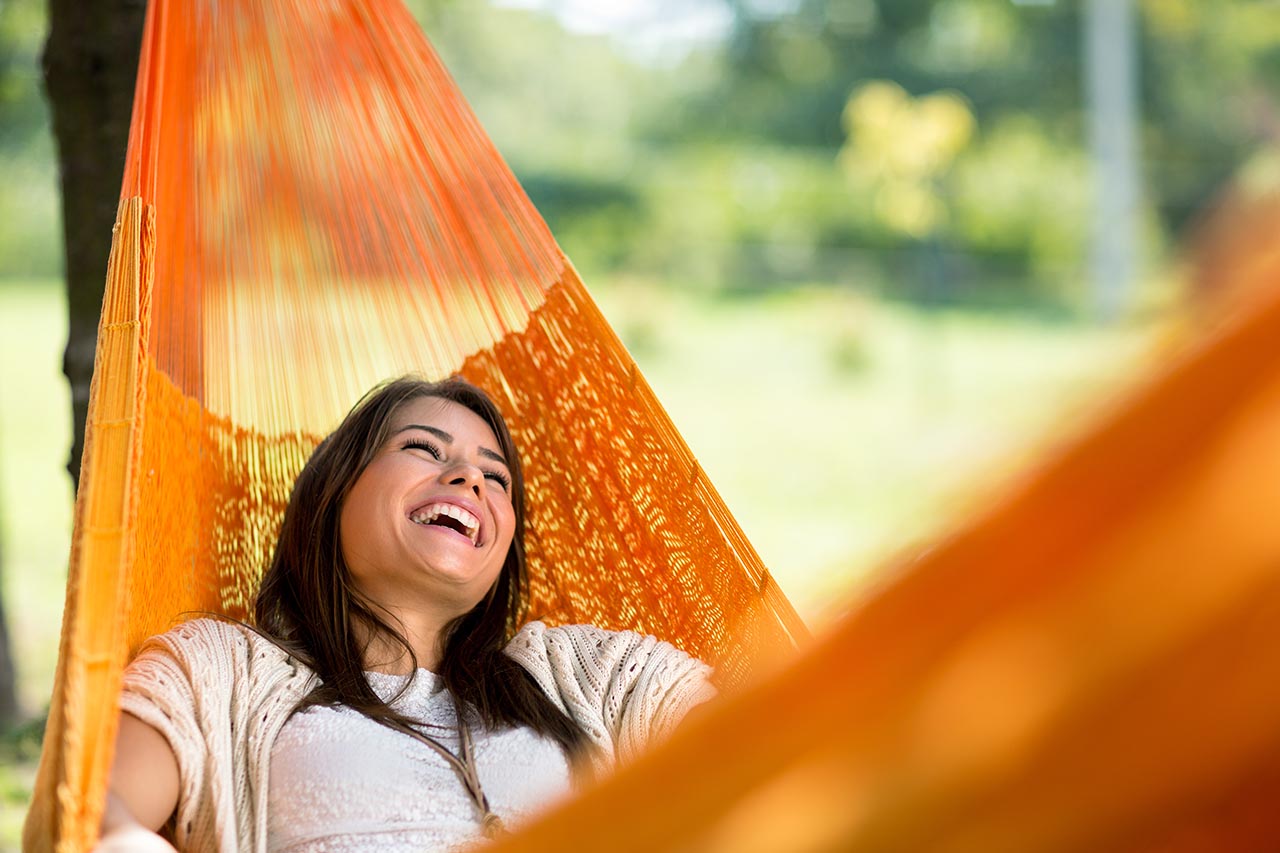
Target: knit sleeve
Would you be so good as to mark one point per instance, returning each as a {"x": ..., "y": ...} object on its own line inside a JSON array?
[
  {"x": 181, "y": 684},
  {"x": 625, "y": 690}
]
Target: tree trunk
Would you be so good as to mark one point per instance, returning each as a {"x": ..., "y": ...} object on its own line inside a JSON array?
[{"x": 90, "y": 65}]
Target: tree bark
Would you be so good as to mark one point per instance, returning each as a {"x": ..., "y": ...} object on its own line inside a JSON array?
[{"x": 90, "y": 66}]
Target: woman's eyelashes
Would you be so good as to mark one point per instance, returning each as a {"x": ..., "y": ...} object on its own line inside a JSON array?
[
  {"x": 422, "y": 444},
  {"x": 500, "y": 477}
]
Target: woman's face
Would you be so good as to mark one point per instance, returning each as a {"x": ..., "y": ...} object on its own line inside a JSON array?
[{"x": 430, "y": 520}]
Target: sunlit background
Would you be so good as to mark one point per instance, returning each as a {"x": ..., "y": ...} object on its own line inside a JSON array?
[{"x": 873, "y": 256}]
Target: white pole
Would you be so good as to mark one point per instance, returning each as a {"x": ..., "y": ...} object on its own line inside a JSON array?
[{"x": 1110, "y": 69}]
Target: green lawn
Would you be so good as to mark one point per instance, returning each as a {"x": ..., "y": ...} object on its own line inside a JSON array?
[
  {"x": 838, "y": 429},
  {"x": 35, "y": 489},
  {"x": 35, "y": 513},
  {"x": 842, "y": 430}
]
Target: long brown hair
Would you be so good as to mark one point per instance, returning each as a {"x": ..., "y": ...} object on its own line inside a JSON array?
[{"x": 308, "y": 604}]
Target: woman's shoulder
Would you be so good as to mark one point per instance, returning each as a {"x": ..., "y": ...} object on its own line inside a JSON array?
[
  {"x": 623, "y": 688},
  {"x": 537, "y": 630},
  {"x": 204, "y": 630},
  {"x": 587, "y": 647},
  {"x": 538, "y": 635},
  {"x": 211, "y": 640},
  {"x": 204, "y": 659}
]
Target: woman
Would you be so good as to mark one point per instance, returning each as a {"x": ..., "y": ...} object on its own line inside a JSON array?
[{"x": 383, "y": 703}]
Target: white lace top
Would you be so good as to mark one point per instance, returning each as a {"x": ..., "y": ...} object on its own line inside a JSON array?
[
  {"x": 223, "y": 697},
  {"x": 341, "y": 783}
]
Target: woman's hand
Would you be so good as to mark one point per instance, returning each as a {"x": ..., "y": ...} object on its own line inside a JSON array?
[
  {"x": 121, "y": 833},
  {"x": 133, "y": 839}
]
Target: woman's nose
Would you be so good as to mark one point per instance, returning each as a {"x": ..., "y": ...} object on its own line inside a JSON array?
[{"x": 467, "y": 475}]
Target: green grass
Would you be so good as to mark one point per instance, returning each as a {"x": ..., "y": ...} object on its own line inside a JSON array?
[
  {"x": 838, "y": 429},
  {"x": 841, "y": 430},
  {"x": 35, "y": 489},
  {"x": 19, "y": 753},
  {"x": 35, "y": 516}
]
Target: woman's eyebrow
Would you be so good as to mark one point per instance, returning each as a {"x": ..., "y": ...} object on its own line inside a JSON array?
[
  {"x": 438, "y": 433},
  {"x": 494, "y": 455},
  {"x": 448, "y": 439}
]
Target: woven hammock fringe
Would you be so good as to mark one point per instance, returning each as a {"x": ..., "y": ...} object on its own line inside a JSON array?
[
  {"x": 313, "y": 208},
  {"x": 81, "y": 725}
]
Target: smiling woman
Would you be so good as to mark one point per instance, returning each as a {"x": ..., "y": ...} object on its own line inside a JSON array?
[
  {"x": 428, "y": 524},
  {"x": 390, "y": 697}
]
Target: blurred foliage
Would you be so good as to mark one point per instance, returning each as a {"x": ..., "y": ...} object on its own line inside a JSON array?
[
  {"x": 923, "y": 149},
  {"x": 21, "y": 105},
  {"x": 1019, "y": 194},
  {"x": 21, "y": 742},
  {"x": 30, "y": 239},
  {"x": 903, "y": 148}
]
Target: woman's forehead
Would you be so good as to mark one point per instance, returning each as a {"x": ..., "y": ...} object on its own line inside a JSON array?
[{"x": 455, "y": 419}]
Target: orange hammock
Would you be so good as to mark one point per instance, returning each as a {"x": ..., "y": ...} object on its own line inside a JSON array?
[
  {"x": 310, "y": 207},
  {"x": 1089, "y": 659}
]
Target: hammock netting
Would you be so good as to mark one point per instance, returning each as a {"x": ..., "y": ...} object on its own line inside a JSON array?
[{"x": 309, "y": 207}]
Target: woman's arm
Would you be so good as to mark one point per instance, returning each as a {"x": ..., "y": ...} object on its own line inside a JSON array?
[{"x": 143, "y": 790}]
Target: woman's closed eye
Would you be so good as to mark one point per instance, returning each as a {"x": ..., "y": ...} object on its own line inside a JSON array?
[
  {"x": 497, "y": 476},
  {"x": 423, "y": 444}
]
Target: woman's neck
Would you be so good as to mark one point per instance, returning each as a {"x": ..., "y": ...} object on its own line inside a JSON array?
[{"x": 424, "y": 634}]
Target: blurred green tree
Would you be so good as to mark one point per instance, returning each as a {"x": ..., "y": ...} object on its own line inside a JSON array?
[
  {"x": 29, "y": 245},
  {"x": 905, "y": 148},
  {"x": 1019, "y": 191},
  {"x": 22, "y": 108}
]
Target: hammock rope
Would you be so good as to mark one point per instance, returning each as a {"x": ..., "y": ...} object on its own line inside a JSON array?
[{"x": 310, "y": 207}]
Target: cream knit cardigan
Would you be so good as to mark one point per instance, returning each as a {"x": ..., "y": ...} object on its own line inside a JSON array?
[{"x": 221, "y": 693}]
